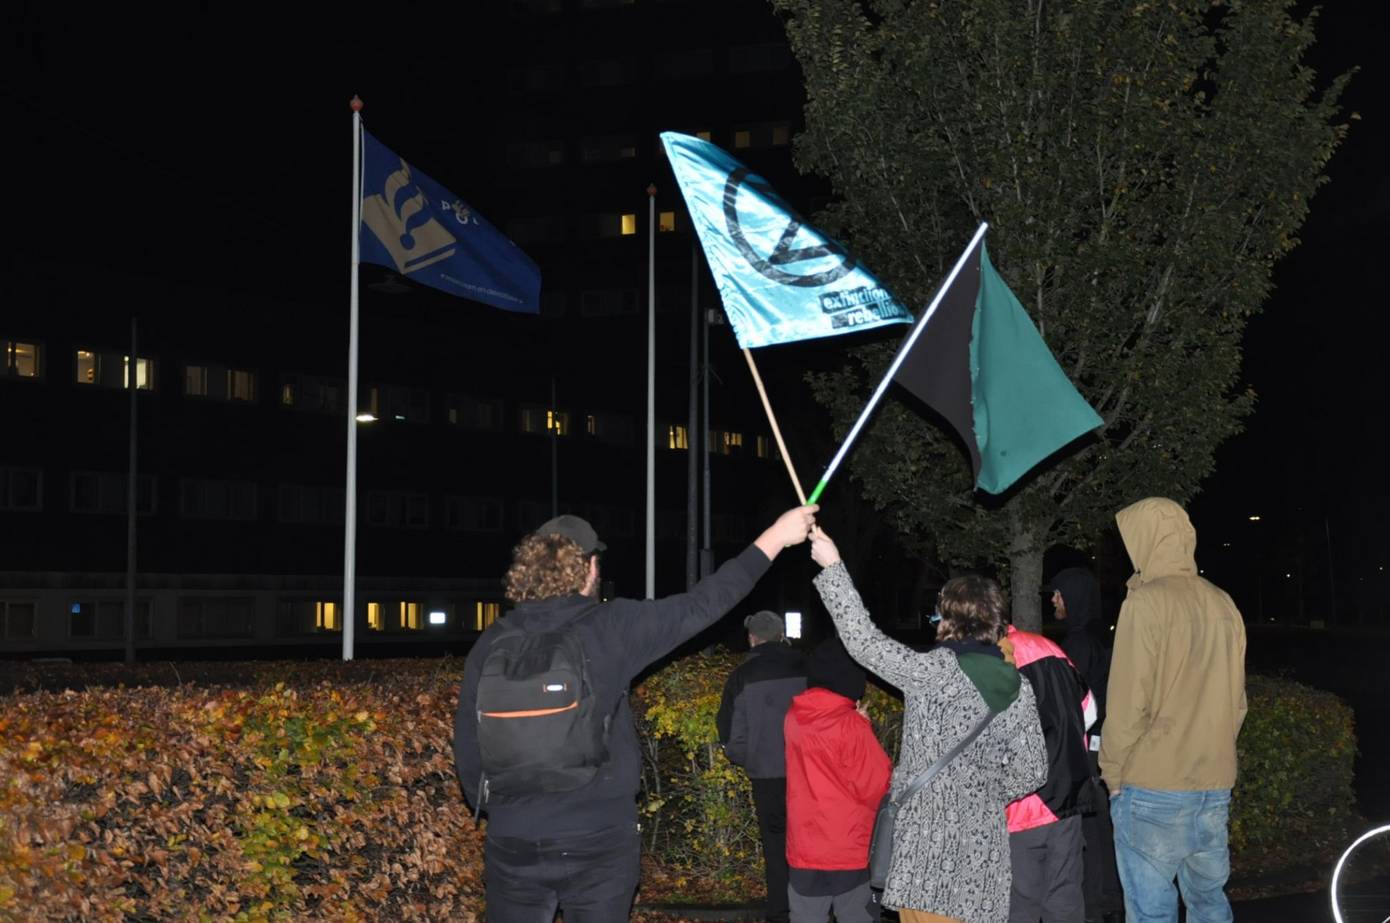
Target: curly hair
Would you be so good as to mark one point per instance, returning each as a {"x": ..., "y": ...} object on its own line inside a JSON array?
[
  {"x": 546, "y": 566},
  {"x": 972, "y": 609}
]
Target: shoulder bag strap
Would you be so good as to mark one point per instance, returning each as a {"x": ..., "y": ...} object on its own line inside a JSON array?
[{"x": 930, "y": 772}]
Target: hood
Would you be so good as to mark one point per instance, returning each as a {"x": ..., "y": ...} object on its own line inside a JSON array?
[
  {"x": 1159, "y": 538},
  {"x": 817, "y": 703},
  {"x": 1081, "y": 593},
  {"x": 984, "y": 665}
]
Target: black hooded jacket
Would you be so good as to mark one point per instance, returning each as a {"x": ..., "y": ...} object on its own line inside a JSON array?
[{"x": 1086, "y": 643}]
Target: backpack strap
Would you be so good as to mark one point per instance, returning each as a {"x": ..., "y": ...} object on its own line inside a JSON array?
[{"x": 931, "y": 771}]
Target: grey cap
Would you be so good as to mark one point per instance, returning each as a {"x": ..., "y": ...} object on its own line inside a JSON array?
[
  {"x": 766, "y": 626},
  {"x": 576, "y": 530}
]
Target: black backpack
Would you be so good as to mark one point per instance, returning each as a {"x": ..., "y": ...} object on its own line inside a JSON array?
[{"x": 539, "y": 726}]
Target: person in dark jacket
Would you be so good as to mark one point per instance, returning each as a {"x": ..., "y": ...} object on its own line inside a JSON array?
[
  {"x": 837, "y": 773},
  {"x": 579, "y": 850},
  {"x": 1076, "y": 603},
  {"x": 1045, "y": 838},
  {"x": 756, "y": 697}
]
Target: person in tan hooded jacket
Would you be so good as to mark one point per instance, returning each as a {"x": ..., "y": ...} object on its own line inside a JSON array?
[{"x": 1175, "y": 704}]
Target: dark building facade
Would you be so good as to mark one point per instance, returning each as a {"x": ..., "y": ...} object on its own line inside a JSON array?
[{"x": 486, "y": 422}]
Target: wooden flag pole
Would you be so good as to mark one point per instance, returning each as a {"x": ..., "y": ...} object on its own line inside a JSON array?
[{"x": 776, "y": 431}]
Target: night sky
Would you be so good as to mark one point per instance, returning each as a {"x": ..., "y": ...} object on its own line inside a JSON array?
[{"x": 215, "y": 143}]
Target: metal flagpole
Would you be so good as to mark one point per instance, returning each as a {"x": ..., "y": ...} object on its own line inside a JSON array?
[
  {"x": 350, "y": 492},
  {"x": 776, "y": 430},
  {"x": 692, "y": 489},
  {"x": 897, "y": 361},
  {"x": 651, "y": 391},
  {"x": 698, "y": 443},
  {"x": 132, "y": 381}
]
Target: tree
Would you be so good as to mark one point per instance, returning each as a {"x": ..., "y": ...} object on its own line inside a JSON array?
[{"x": 1142, "y": 165}]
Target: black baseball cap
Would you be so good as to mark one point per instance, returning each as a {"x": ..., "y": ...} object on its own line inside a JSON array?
[{"x": 576, "y": 530}]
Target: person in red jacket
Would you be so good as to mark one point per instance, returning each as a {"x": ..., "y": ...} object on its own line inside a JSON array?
[{"x": 837, "y": 773}]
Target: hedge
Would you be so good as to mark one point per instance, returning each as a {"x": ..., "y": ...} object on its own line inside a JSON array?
[{"x": 327, "y": 791}]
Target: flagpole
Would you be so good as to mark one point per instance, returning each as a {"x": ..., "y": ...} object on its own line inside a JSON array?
[
  {"x": 692, "y": 485},
  {"x": 651, "y": 391},
  {"x": 350, "y": 491},
  {"x": 897, "y": 361},
  {"x": 776, "y": 430},
  {"x": 132, "y": 381}
]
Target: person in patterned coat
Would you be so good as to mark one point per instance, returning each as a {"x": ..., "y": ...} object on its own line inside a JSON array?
[{"x": 951, "y": 842}]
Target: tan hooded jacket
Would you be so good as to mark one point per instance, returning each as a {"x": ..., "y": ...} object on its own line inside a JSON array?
[{"x": 1176, "y": 697}]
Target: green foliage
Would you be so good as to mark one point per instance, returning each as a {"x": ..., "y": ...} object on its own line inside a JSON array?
[
  {"x": 1142, "y": 165},
  {"x": 1294, "y": 790}
]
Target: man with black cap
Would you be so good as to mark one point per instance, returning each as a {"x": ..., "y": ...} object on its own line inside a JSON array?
[
  {"x": 754, "y": 705},
  {"x": 837, "y": 773},
  {"x": 562, "y": 844}
]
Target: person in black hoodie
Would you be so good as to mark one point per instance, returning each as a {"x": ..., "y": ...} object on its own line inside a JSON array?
[
  {"x": 752, "y": 710},
  {"x": 1076, "y": 603},
  {"x": 579, "y": 850}
]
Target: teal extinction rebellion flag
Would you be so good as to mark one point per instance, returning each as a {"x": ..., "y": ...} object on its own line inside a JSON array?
[
  {"x": 979, "y": 362},
  {"x": 780, "y": 279},
  {"x": 423, "y": 231}
]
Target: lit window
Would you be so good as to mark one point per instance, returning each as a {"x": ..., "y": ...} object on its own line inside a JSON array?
[
  {"x": 764, "y": 447},
  {"x": 195, "y": 380},
  {"x": 326, "y": 616},
  {"x": 439, "y": 617},
  {"x": 287, "y": 394},
  {"x": 666, "y": 222},
  {"x": 591, "y": 425},
  {"x": 732, "y": 441},
  {"x": 557, "y": 422},
  {"x": 485, "y": 613},
  {"x": 629, "y": 224},
  {"x": 243, "y": 385},
  {"x": 743, "y": 139},
  {"x": 20, "y": 360},
  {"x": 677, "y": 437},
  {"x": 374, "y": 620},
  {"x": 410, "y": 616},
  {"x": 110, "y": 370},
  {"x": 704, "y": 135}
]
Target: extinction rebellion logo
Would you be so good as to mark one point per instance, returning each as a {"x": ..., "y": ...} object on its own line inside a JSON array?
[{"x": 848, "y": 308}]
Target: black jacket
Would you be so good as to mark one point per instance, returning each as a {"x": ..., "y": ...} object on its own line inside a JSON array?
[
  {"x": 621, "y": 637},
  {"x": 1086, "y": 641},
  {"x": 754, "y": 707}
]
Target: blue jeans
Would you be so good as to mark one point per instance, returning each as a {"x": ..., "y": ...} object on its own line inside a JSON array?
[{"x": 1163, "y": 835}]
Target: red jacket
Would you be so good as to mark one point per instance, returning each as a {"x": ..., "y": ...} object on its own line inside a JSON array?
[{"x": 837, "y": 773}]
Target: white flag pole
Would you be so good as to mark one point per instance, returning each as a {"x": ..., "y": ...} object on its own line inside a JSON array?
[
  {"x": 897, "y": 361},
  {"x": 651, "y": 391},
  {"x": 350, "y": 491}
]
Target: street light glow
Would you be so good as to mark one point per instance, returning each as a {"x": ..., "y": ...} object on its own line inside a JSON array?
[
  {"x": 1254, "y": 519},
  {"x": 366, "y": 417},
  {"x": 793, "y": 622}
]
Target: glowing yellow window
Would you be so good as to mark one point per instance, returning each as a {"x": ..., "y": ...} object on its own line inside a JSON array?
[
  {"x": 144, "y": 373},
  {"x": 326, "y": 616},
  {"x": 629, "y": 224},
  {"x": 743, "y": 138},
  {"x": 704, "y": 135},
  {"x": 558, "y": 422},
  {"x": 410, "y": 615},
  {"x": 86, "y": 367},
  {"x": 732, "y": 441},
  {"x": 374, "y": 619},
  {"x": 666, "y": 222},
  {"x": 676, "y": 437},
  {"x": 484, "y": 614}
]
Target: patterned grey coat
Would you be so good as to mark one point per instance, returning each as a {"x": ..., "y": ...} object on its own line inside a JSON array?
[{"x": 951, "y": 844}]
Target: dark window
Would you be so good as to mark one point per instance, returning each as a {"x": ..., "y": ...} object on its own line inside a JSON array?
[
  {"x": 102, "y": 492},
  {"x": 215, "y": 617},
  {"x": 21, "y": 489},
  {"x": 203, "y": 498},
  {"x": 473, "y": 514},
  {"x": 309, "y": 504},
  {"x": 398, "y": 509}
]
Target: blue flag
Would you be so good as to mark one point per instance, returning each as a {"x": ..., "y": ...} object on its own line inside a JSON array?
[
  {"x": 781, "y": 280},
  {"x": 423, "y": 231}
]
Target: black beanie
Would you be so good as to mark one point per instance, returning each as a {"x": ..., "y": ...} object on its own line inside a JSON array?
[{"x": 830, "y": 667}]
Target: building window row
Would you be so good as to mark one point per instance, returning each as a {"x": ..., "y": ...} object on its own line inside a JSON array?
[
  {"x": 554, "y": 229},
  {"x": 20, "y": 360},
  {"x": 209, "y": 618}
]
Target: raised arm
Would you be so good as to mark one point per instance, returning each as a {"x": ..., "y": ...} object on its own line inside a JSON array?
[{"x": 895, "y": 662}]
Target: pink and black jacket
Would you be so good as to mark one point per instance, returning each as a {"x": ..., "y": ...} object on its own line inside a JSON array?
[{"x": 1067, "y": 709}]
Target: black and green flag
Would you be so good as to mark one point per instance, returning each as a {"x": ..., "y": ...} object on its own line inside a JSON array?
[{"x": 977, "y": 360}]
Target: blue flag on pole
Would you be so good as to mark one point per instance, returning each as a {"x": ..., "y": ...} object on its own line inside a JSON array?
[
  {"x": 423, "y": 231},
  {"x": 781, "y": 280}
]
